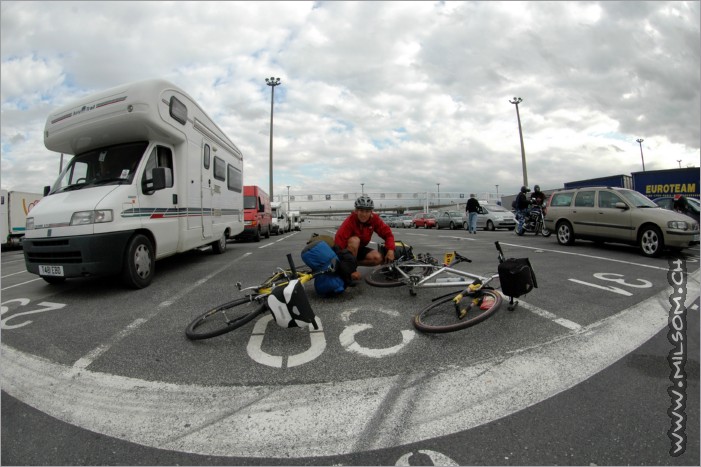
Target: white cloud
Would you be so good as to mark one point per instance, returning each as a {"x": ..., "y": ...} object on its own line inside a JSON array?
[{"x": 397, "y": 95}]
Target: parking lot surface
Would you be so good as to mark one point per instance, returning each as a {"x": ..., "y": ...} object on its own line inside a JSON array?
[{"x": 577, "y": 374}]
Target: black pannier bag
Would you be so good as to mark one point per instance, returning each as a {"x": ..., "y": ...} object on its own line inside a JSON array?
[{"x": 517, "y": 277}]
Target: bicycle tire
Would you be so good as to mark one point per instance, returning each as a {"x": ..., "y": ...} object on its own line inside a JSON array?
[
  {"x": 440, "y": 316},
  {"x": 382, "y": 276},
  {"x": 216, "y": 321}
]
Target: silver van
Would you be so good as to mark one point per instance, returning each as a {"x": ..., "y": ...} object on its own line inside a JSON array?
[{"x": 618, "y": 215}]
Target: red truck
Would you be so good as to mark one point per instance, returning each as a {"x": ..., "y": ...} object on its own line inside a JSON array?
[{"x": 257, "y": 214}]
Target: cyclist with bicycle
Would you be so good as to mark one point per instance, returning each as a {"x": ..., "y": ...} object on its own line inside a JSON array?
[{"x": 356, "y": 232}]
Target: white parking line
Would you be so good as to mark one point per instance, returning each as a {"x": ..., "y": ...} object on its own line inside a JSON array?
[
  {"x": 551, "y": 316},
  {"x": 85, "y": 361},
  {"x": 17, "y": 285},
  {"x": 588, "y": 256}
]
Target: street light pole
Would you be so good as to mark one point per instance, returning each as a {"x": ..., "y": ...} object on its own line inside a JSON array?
[
  {"x": 680, "y": 163},
  {"x": 640, "y": 142},
  {"x": 439, "y": 194},
  {"x": 517, "y": 101},
  {"x": 288, "y": 198},
  {"x": 362, "y": 188},
  {"x": 272, "y": 82},
  {"x": 497, "y": 191}
]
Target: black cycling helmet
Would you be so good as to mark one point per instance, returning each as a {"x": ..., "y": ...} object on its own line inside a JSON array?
[
  {"x": 525, "y": 189},
  {"x": 364, "y": 202},
  {"x": 536, "y": 188}
]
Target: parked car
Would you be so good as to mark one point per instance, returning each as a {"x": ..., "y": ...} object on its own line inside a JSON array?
[
  {"x": 618, "y": 215},
  {"x": 406, "y": 221},
  {"x": 492, "y": 217},
  {"x": 392, "y": 222},
  {"x": 425, "y": 220},
  {"x": 449, "y": 220},
  {"x": 667, "y": 202}
]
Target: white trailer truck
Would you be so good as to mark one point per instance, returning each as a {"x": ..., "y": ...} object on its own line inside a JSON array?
[
  {"x": 152, "y": 175},
  {"x": 14, "y": 207}
]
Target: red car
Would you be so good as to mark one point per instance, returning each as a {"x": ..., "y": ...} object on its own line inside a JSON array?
[{"x": 425, "y": 220}]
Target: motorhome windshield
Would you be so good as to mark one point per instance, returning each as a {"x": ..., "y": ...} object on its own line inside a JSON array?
[{"x": 111, "y": 165}]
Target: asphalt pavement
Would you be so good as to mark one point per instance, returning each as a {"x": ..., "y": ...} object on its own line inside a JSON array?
[{"x": 577, "y": 375}]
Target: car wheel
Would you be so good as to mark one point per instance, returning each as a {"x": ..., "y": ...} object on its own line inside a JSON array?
[
  {"x": 139, "y": 262},
  {"x": 219, "y": 246},
  {"x": 650, "y": 241},
  {"x": 452, "y": 225},
  {"x": 464, "y": 225},
  {"x": 565, "y": 234},
  {"x": 490, "y": 225}
]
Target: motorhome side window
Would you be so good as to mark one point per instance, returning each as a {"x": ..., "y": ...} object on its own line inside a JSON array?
[
  {"x": 160, "y": 157},
  {"x": 206, "y": 156},
  {"x": 219, "y": 169},
  {"x": 235, "y": 182}
]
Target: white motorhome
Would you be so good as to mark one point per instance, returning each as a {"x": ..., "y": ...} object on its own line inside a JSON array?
[
  {"x": 281, "y": 221},
  {"x": 152, "y": 175},
  {"x": 14, "y": 207}
]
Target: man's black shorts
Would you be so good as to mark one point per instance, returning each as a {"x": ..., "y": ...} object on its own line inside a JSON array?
[{"x": 363, "y": 252}]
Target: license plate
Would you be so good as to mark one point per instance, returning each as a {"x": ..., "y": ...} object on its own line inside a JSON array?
[{"x": 51, "y": 270}]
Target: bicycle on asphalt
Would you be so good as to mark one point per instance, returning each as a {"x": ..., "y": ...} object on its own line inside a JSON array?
[
  {"x": 477, "y": 301},
  {"x": 282, "y": 294}
]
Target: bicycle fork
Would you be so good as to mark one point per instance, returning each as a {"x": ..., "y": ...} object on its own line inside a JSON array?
[{"x": 470, "y": 291}]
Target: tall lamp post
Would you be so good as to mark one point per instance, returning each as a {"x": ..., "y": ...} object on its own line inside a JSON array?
[
  {"x": 272, "y": 82},
  {"x": 640, "y": 142},
  {"x": 362, "y": 188},
  {"x": 288, "y": 198},
  {"x": 517, "y": 101},
  {"x": 439, "y": 194},
  {"x": 497, "y": 192}
]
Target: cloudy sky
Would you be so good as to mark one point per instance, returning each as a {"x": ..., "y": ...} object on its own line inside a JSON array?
[{"x": 398, "y": 96}]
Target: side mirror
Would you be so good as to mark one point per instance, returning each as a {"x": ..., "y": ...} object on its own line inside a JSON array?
[
  {"x": 621, "y": 205},
  {"x": 47, "y": 189},
  {"x": 161, "y": 177}
]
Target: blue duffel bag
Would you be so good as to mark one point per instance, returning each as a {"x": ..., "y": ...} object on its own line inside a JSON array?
[{"x": 319, "y": 256}]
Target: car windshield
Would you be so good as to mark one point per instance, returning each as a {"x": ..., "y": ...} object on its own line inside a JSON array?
[
  {"x": 637, "y": 199},
  {"x": 694, "y": 201},
  {"x": 104, "y": 166},
  {"x": 495, "y": 208},
  {"x": 455, "y": 214}
]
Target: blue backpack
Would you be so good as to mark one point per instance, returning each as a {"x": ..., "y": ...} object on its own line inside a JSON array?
[{"x": 319, "y": 256}]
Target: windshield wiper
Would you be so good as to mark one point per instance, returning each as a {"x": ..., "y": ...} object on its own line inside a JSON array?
[
  {"x": 104, "y": 181},
  {"x": 75, "y": 186}
]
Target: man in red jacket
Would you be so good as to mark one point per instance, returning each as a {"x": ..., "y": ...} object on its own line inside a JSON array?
[{"x": 356, "y": 232}]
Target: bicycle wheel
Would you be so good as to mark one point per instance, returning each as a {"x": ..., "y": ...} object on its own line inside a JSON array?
[
  {"x": 224, "y": 318},
  {"x": 441, "y": 316},
  {"x": 384, "y": 276}
]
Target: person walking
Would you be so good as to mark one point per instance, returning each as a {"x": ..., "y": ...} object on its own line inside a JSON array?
[{"x": 472, "y": 208}]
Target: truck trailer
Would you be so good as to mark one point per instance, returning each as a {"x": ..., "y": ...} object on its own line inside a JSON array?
[
  {"x": 670, "y": 182},
  {"x": 14, "y": 207},
  {"x": 620, "y": 181},
  {"x": 151, "y": 176}
]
